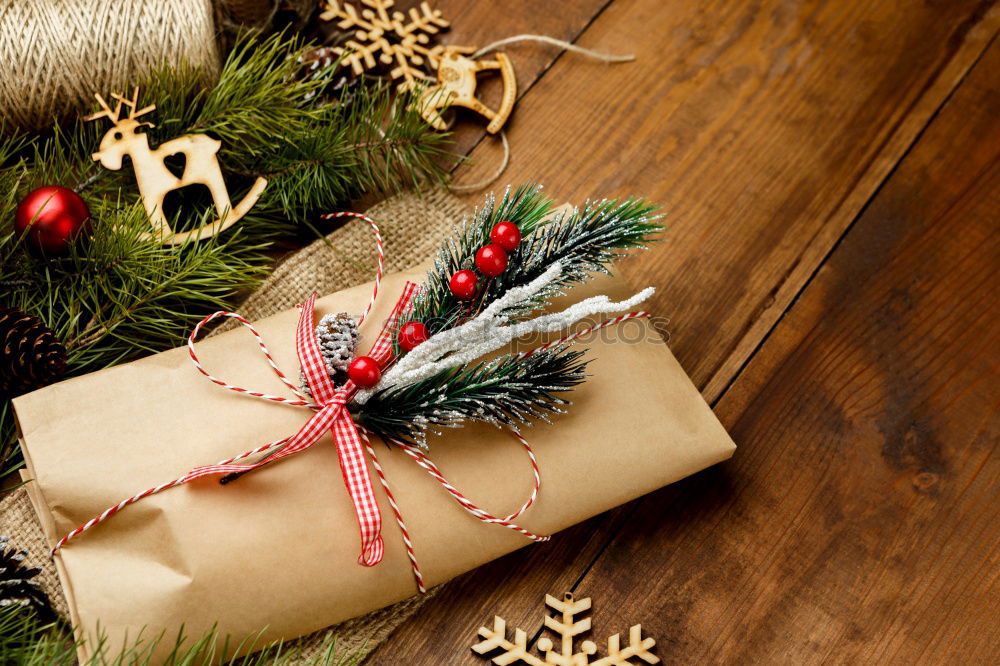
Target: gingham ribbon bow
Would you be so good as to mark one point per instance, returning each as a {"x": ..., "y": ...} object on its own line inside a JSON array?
[{"x": 331, "y": 415}]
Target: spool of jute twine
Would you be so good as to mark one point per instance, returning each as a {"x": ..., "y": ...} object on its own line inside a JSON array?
[{"x": 55, "y": 54}]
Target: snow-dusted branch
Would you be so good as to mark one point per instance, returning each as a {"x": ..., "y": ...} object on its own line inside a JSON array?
[{"x": 489, "y": 331}]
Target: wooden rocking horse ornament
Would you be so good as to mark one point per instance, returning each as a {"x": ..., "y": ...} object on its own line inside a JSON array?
[
  {"x": 155, "y": 180},
  {"x": 456, "y": 86}
]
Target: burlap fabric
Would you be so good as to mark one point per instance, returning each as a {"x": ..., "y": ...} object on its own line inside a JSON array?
[
  {"x": 55, "y": 54},
  {"x": 412, "y": 227}
]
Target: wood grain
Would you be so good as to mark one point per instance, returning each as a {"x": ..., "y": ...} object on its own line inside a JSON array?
[
  {"x": 761, "y": 128},
  {"x": 764, "y": 129},
  {"x": 858, "y": 522}
]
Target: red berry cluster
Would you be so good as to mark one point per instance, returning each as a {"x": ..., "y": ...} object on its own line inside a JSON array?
[{"x": 491, "y": 260}]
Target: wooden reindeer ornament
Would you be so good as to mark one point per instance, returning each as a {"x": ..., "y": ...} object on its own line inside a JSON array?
[
  {"x": 456, "y": 86},
  {"x": 155, "y": 180}
]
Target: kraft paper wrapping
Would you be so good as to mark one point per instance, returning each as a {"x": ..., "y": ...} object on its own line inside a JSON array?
[{"x": 277, "y": 550}]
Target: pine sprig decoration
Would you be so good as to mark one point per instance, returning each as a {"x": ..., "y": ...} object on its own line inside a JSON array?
[
  {"x": 510, "y": 390},
  {"x": 26, "y": 641},
  {"x": 584, "y": 242},
  {"x": 121, "y": 295}
]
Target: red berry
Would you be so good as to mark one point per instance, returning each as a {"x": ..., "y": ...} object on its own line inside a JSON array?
[
  {"x": 364, "y": 372},
  {"x": 491, "y": 260},
  {"x": 506, "y": 235},
  {"x": 463, "y": 285},
  {"x": 412, "y": 334}
]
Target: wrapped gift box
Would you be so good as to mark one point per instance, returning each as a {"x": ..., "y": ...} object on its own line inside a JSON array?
[{"x": 277, "y": 550}]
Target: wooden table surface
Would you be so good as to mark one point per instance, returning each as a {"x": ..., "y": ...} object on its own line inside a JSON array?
[{"x": 831, "y": 173}]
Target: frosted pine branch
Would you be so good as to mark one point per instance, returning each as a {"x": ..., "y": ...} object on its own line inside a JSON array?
[
  {"x": 509, "y": 390},
  {"x": 584, "y": 241},
  {"x": 490, "y": 331}
]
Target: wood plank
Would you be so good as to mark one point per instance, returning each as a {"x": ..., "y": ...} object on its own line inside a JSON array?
[
  {"x": 858, "y": 522},
  {"x": 762, "y": 128},
  {"x": 755, "y": 137}
]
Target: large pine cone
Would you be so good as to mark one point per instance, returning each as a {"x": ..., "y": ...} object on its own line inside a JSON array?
[{"x": 30, "y": 354}]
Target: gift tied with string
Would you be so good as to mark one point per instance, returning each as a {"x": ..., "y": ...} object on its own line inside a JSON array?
[{"x": 487, "y": 338}]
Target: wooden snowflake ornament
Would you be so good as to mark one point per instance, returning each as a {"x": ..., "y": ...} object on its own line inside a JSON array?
[
  {"x": 567, "y": 628},
  {"x": 400, "y": 41},
  {"x": 444, "y": 75},
  {"x": 155, "y": 180}
]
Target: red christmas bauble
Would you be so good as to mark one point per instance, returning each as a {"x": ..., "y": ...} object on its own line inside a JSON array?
[
  {"x": 364, "y": 372},
  {"x": 412, "y": 334},
  {"x": 491, "y": 260},
  {"x": 463, "y": 285},
  {"x": 53, "y": 216},
  {"x": 506, "y": 235}
]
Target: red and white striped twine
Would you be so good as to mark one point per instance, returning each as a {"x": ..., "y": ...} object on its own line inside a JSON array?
[
  {"x": 303, "y": 400},
  {"x": 110, "y": 511},
  {"x": 479, "y": 513},
  {"x": 425, "y": 462},
  {"x": 404, "y": 532},
  {"x": 379, "y": 255}
]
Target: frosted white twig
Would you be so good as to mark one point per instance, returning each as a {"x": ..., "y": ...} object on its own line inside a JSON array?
[{"x": 489, "y": 331}]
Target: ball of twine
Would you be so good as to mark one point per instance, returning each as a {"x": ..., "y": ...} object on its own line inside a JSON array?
[{"x": 55, "y": 54}]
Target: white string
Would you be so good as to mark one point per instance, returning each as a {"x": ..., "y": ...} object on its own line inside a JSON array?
[
  {"x": 596, "y": 55},
  {"x": 483, "y": 184}
]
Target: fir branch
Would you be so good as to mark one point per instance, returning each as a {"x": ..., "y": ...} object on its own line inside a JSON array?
[
  {"x": 436, "y": 306},
  {"x": 258, "y": 101},
  {"x": 584, "y": 242},
  {"x": 315, "y": 151},
  {"x": 509, "y": 390},
  {"x": 371, "y": 142},
  {"x": 120, "y": 296},
  {"x": 27, "y": 641}
]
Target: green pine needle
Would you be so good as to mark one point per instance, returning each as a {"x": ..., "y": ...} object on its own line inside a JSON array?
[
  {"x": 510, "y": 390},
  {"x": 26, "y": 642},
  {"x": 585, "y": 241},
  {"x": 506, "y": 391}
]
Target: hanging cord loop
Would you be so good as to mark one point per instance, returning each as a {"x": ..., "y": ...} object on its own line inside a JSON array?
[{"x": 544, "y": 39}]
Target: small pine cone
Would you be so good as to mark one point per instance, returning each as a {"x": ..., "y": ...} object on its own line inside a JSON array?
[
  {"x": 30, "y": 354},
  {"x": 337, "y": 335}
]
